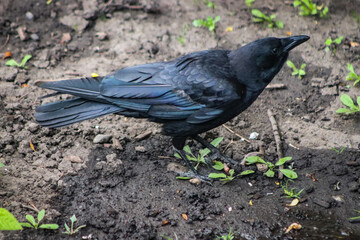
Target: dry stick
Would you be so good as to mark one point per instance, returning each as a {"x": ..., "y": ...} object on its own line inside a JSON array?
[
  {"x": 227, "y": 128},
  {"x": 7, "y": 39},
  {"x": 277, "y": 140}
]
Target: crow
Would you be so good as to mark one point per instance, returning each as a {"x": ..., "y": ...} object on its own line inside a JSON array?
[{"x": 188, "y": 96}]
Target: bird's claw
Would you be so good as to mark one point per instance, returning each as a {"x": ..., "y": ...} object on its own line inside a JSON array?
[
  {"x": 219, "y": 156},
  {"x": 202, "y": 178}
]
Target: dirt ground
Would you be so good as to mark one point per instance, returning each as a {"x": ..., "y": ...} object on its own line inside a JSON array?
[{"x": 122, "y": 188}]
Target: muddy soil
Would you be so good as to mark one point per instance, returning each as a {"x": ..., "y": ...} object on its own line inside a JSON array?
[{"x": 121, "y": 188}]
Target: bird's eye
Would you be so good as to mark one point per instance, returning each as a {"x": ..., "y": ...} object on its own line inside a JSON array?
[{"x": 275, "y": 50}]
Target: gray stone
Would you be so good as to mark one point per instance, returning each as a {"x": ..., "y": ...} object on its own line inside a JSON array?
[
  {"x": 102, "y": 138},
  {"x": 29, "y": 15},
  {"x": 33, "y": 127},
  {"x": 140, "y": 149},
  {"x": 176, "y": 167},
  {"x": 35, "y": 37},
  {"x": 8, "y": 73},
  {"x": 75, "y": 22}
]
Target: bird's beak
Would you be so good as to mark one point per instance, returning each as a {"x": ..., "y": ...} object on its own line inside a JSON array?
[{"x": 291, "y": 42}]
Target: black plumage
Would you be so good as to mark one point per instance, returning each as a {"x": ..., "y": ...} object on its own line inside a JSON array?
[{"x": 188, "y": 95}]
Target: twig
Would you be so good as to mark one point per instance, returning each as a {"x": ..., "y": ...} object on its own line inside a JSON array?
[
  {"x": 277, "y": 139},
  {"x": 7, "y": 39},
  {"x": 276, "y": 86},
  {"x": 227, "y": 128}
]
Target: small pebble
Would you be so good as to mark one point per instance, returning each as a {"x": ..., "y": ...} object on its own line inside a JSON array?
[
  {"x": 102, "y": 138},
  {"x": 34, "y": 37},
  {"x": 29, "y": 15}
]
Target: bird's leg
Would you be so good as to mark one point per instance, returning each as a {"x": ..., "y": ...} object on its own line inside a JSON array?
[
  {"x": 178, "y": 144},
  {"x": 215, "y": 152},
  {"x": 193, "y": 173}
]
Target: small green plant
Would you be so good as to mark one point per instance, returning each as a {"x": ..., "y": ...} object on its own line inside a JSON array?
[
  {"x": 352, "y": 76},
  {"x": 289, "y": 173},
  {"x": 357, "y": 217},
  {"x": 36, "y": 224},
  {"x": 333, "y": 44},
  {"x": 209, "y": 23},
  {"x": 222, "y": 176},
  {"x": 229, "y": 236},
  {"x": 292, "y": 193},
  {"x": 8, "y": 222},
  {"x": 200, "y": 157},
  {"x": 210, "y": 4},
  {"x": 338, "y": 151},
  {"x": 13, "y": 63},
  {"x": 181, "y": 38},
  {"x": 347, "y": 101},
  {"x": 169, "y": 238},
  {"x": 300, "y": 72},
  {"x": 260, "y": 17},
  {"x": 70, "y": 230},
  {"x": 308, "y": 8},
  {"x": 249, "y": 3}
]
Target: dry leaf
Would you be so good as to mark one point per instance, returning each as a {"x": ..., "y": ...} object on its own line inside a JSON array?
[
  {"x": 185, "y": 216},
  {"x": 288, "y": 33},
  {"x": 32, "y": 146},
  {"x": 354, "y": 44},
  {"x": 94, "y": 75},
  {"x": 295, "y": 226},
  {"x": 164, "y": 223},
  {"x": 7, "y": 55},
  {"x": 229, "y": 29},
  {"x": 293, "y": 203},
  {"x": 251, "y": 202}
]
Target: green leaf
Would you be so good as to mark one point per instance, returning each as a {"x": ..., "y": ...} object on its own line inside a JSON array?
[
  {"x": 283, "y": 160},
  {"x": 73, "y": 218},
  {"x": 1, "y": 165},
  {"x": 328, "y": 42},
  {"x": 295, "y": 72},
  {"x": 350, "y": 67},
  {"x": 217, "y": 175},
  {"x": 358, "y": 101},
  {"x": 217, "y": 18},
  {"x": 177, "y": 155},
  {"x": 218, "y": 165},
  {"x": 279, "y": 24},
  {"x": 67, "y": 228},
  {"x": 258, "y": 20},
  {"x": 296, "y": 3},
  {"x": 12, "y": 63},
  {"x": 342, "y": 110},
  {"x": 254, "y": 159},
  {"x": 8, "y": 221},
  {"x": 231, "y": 172},
  {"x": 338, "y": 40},
  {"x": 25, "y": 59},
  {"x": 187, "y": 149},
  {"x": 28, "y": 225},
  {"x": 183, "y": 178},
  {"x": 302, "y": 72},
  {"x": 290, "y": 64},
  {"x": 246, "y": 172},
  {"x": 257, "y": 13},
  {"x": 31, "y": 219},
  {"x": 303, "y": 66},
  {"x": 198, "y": 23},
  {"x": 289, "y": 173},
  {"x": 41, "y": 215},
  {"x": 49, "y": 226},
  {"x": 269, "y": 173},
  {"x": 216, "y": 141},
  {"x": 347, "y": 101}
]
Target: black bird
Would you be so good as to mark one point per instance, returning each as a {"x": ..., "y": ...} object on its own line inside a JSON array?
[{"x": 189, "y": 95}]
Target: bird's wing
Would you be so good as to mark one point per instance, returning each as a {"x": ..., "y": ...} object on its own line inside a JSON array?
[{"x": 188, "y": 88}]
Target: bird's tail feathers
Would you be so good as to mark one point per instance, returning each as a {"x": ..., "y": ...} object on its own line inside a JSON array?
[
  {"x": 87, "y": 88},
  {"x": 59, "y": 114}
]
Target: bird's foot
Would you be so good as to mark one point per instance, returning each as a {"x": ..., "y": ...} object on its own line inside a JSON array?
[
  {"x": 191, "y": 174},
  {"x": 217, "y": 155}
]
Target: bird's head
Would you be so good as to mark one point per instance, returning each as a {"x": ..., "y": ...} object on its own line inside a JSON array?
[{"x": 263, "y": 58}]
